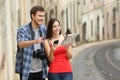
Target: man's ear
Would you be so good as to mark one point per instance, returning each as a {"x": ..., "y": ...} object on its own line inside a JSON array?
[{"x": 33, "y": 16}]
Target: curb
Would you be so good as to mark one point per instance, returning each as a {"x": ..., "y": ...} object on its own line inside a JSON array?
[{"x": 78, "y": 49}]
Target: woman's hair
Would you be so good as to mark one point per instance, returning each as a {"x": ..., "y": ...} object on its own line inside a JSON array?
[
  {"x": 68, "y": 31},
  {"x": 50, "y": 27}
]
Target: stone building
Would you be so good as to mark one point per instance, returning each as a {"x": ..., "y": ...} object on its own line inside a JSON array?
[
  {"x": 112, "y": 19},
  {"x": 100, "y": 19},
  {"x": 92, "y": 21}
]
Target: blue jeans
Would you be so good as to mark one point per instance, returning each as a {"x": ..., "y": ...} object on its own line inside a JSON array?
[
  {"x": 60, "y": 76},
  {"x": 34, "y": 76}
]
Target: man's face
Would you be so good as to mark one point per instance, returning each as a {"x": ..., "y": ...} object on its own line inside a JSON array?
[{"x": 38, "y": 18}]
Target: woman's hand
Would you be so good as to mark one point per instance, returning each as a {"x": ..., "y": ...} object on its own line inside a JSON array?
[
  {"x": 52, "y": 49},
  {"x": 54, "y": 46},
  {"x": 68, "y": 47},
  {"x": 69, "y": 50}
]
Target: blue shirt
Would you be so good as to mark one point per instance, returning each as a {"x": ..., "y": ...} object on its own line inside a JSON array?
[{"x": 24, "y": 56}]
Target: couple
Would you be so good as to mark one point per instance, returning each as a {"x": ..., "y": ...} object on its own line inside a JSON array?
[{"x": 35, "y": 47}]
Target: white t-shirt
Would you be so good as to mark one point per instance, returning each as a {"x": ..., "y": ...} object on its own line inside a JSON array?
[{"x": 36, "y": 64}]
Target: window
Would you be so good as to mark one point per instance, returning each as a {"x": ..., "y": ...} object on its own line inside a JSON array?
[
  {"x": 91, "y": 1},
  {"x": 56, "y": 11},
  {"x": 51, "y": 13},
  {"x": 91, "y": 27},
  {"x": 84, "y": 2},
  {"x": 107, "y": 18},
  {"x": 114, "y": 14}
]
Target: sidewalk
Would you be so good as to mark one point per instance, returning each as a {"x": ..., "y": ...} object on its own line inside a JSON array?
[{"x": 78, "y": 49}]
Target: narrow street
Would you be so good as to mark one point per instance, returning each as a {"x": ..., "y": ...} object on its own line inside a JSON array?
[
  {"x": 89, "y": 58},
  {"x": 107, "y": 62}
]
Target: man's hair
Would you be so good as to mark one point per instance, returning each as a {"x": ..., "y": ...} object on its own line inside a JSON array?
[{"x": 35, "y": 9}]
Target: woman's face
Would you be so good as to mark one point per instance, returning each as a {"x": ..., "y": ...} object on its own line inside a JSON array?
[{"x": 56, "y": 28}]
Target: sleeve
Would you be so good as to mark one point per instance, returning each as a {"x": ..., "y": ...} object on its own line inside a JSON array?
[
  {"x": 21, "y": 35},
  {"x": 44, "y": 29}
]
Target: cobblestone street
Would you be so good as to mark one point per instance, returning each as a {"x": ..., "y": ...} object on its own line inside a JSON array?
[{"x": 86, "y": 70}]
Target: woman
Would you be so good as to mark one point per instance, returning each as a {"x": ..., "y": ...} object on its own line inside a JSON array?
[
  {"x": 68, "y": 31},
  {"x": 58, "y": 55}
]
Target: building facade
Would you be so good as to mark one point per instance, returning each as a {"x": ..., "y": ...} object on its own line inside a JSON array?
[
  {"x": 100, "y": 19},
  {"x": 92, "y": 21},
  {"x": 112, "y": 19}
]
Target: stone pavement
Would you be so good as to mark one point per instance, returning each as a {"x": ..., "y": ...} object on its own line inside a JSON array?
[{"x": 86, "y": 71}]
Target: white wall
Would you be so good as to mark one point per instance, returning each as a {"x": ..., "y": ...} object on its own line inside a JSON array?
[{"x": 86, "y": 18}]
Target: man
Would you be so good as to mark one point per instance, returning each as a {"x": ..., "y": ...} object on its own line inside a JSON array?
[{"x": 31, "y": 62}]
